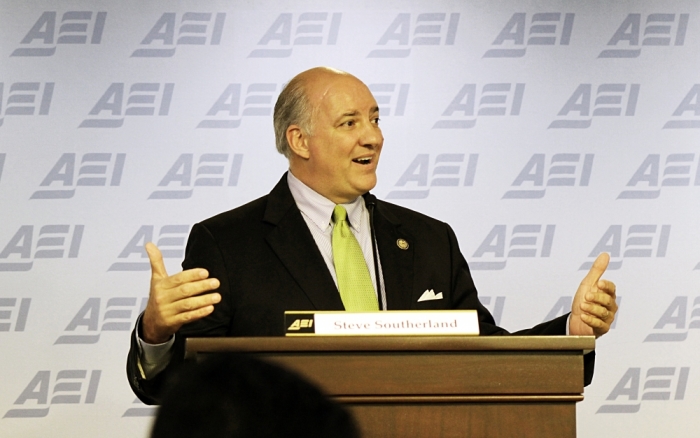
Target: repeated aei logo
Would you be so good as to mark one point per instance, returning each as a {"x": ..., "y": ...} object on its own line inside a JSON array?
[
  {"x": 309, "y": 29},
  {"x": 678, "y": 318},
  {"x": 171, "y": 241},
  {"x": 611, "y": 100},
  {"x": 142, "y": 99},
  {"x": 660, "y": 29},
  {"x": 641, "y": 241},
  {"x": 526, "y": 240},
  {"x": 677, "y": 171},
  {"x": 564, "y": 170},
  {"x": 495, "y": 99},
  {"x": 26, "y": 99},
  {"x": 52, "y": 242},
  {"x": 238, "y": 101},
  {"x": 546, "y": 29},
  {"x": 2, "y": 164},
  {"x": 118, "y": 314},
  {"x": 212, "y": 170},
  {"x": 390, "y": 96},
  {"x": 226, "y": 112},
  {"x": 660, "y": 384},
  {"x": 561, "y": 307},
  {"x": 76, "y": 27},
  {"x": 690, "y": 103},
  {"x": 193, "y": 28},
  {"x": 95, "y": 169},
  {"x": 69, "y": 387},
  {"x": 429, "y": 29},
  {"x": 14, "y": 313},
  {"x": 448, "y": 170}
]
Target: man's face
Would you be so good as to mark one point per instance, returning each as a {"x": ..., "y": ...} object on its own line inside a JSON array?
[{"x": 345, "y": 142}]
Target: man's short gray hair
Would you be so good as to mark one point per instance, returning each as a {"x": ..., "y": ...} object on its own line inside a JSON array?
[{"x": 292, "y": 108}]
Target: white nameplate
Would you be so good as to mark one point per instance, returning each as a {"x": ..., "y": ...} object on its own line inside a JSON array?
[{"x": 419, "y": 322}]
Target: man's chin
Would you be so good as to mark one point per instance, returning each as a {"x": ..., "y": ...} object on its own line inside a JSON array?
[{"x": 367, "y": 184}]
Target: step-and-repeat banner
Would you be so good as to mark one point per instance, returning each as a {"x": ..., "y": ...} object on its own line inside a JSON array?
[{"x": 544, "y": 132}]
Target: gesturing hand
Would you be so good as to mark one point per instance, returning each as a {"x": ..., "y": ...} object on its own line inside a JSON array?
[
  {"x": 175, "y": 300},
  {"x": 593, "y": 308}
]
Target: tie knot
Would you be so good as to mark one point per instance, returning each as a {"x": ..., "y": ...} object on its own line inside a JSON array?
[{"x": 339, "y": 214}]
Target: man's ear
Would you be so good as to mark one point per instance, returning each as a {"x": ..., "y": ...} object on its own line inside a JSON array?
[{"x": 297, "y": 141}]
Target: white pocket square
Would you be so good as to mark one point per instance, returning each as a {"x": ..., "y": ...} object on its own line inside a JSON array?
[{"x": 429, "y": 295}]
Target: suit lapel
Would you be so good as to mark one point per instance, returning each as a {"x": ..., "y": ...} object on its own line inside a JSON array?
[
  {"x": 397, "y": 263},
  {"x": 292, "y": 242}
]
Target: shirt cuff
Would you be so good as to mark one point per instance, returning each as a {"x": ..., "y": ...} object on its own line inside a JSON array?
[{"x": 153, "y": 358}]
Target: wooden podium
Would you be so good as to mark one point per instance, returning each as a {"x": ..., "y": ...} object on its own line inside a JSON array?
[{"x": 444, "y": 386}]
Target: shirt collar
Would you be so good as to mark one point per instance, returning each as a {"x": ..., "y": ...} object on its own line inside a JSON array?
[{"x": 319, "y": 209}]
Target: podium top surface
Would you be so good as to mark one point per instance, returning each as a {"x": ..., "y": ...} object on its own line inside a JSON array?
[{"x": 391, "y": 343}]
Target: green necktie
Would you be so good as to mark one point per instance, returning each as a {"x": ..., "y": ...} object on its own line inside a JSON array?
[{"x": 354, "y": 281}]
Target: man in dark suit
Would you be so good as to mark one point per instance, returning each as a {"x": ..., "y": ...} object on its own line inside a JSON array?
[{"x": 275, "y": 253}]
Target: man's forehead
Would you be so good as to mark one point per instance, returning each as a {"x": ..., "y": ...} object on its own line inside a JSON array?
[{"x": 347, "y": 95}]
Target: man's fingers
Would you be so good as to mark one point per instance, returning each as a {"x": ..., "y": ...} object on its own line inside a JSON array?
[
  {"x": 187, "y": 310},
  {"x": 607, "y": 286},
  {"x": 195, "y": 304},
  {"x": 166, "y": 296},
  {"x": 192, "y": 315},
  {"x": 167, "y": 311},
  {"x": 599, "y": 266},
  {"x": 593, "y": 321},
  {"x": 185, "y": 277},
  {"x": 192, "y": 289},
  {"x": 156, "y": 259},
  {"x": 594, "y": 306},
  {"x": 175, "y": 300},
  {"x": 602, "y": 298},
  {"x": 596, "y": 310}
]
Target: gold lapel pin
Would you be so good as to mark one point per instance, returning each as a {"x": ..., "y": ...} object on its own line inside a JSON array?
[{"x": 402, "y": 244}]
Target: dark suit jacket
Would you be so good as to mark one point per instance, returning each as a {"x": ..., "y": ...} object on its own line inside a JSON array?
[{"x": 267, "y": 262}]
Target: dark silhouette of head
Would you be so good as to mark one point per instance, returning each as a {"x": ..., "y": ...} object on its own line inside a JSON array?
[{"x": 237, "y": 396}]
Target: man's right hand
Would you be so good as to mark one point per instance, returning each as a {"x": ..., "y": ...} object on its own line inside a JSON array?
[{"x": 175, "y": 300}]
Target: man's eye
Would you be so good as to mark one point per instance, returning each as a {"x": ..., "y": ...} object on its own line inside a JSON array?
[
  {"x": 376, "y": 121},
  {"x": 349, "y": 123}
]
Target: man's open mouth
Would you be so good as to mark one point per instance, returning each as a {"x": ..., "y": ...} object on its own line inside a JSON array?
[{"x": 364, "y": 160}]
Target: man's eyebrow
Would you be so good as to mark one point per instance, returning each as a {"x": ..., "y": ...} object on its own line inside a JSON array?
[{"x": 355, "y": 113}]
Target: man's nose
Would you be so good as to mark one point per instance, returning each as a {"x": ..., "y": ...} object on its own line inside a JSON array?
[{"x": 371, "y": 136}]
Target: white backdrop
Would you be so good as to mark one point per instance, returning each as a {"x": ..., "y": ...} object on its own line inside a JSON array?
[{"x": 542, "y": 131}]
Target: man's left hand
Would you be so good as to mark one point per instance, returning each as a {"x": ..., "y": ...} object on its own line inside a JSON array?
[{"x": 594, "y": 307}]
